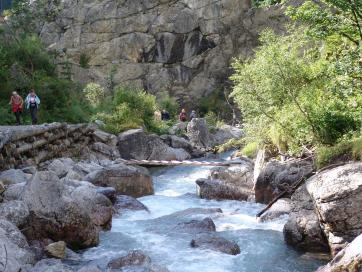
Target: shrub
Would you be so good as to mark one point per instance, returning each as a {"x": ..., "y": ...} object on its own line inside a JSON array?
[
  {"x": 231, "y": 144},
  {"x": 94, "y": 93},
  {"x": 169, "y": 104},
  {"x": 84, "y": 61}
]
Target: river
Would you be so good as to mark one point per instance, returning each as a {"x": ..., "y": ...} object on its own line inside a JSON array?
[{"x": 262, "y": 246}]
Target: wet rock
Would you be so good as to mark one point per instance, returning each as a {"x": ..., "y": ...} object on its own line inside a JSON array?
[
  {"x": 127, "y": 180},
  {"x": 279, "y": 208},
  {"x": 217, "y": 189},
  {"x": 196, "y": 226},
  {"x": 303, "y": 230},
  {"x": 349, "y": 259},
  {"x": 54, "y": 215},
  {"x": 214, "y": 242},
  {"x": 108, "y": 192},
  {"x": 14, "y": 192},
  {"x": 337, "y": 195},
  {"x": 99, "y": 207},
  {"x": 61, "y": 166},
  {"x": 12, "y": 176},
  {"x": 18, "y": 251},
  {"x": 50, "y": 265},
  {"x": 275, "y": 177},
  {"x": 124, "y": 202},
  {"x": 31, "y": 170},
  {"x": 16, "y": 212},
  {"x": 136, "y": 144},
  {"x": 56, "y": 250},
  {"x": 199, "y": 134},
  {"x": 90, "y": 268}
]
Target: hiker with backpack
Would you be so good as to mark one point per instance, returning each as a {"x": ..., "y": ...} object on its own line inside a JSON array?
[
  {"x": 32, "y": 103},
  {"x": 16, "y": 102},
  {"x": 183, "y": 116}
]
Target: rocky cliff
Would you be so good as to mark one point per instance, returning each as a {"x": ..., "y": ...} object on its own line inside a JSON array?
[{"x": 183, "y": 47}]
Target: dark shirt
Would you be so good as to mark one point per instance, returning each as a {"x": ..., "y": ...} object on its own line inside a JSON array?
[{"x": 165, "y": 116}]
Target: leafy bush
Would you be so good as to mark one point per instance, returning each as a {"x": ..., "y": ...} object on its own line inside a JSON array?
[
  {"x": 231, "y": 144},
  {"x": 169, "y": 104},
  {"x": 94, "y": 93},
  {"x": 84, "y": 61}
]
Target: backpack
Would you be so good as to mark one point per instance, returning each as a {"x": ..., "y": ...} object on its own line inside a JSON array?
[{"x": 32, "y": 102}]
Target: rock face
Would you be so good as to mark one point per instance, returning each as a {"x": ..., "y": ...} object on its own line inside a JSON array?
[
  {"x": 136, "y": 144},
  {"x": 277, "y": 176},
  {"x": 337, "y": 195},
  {"x": 55, "y": 215},
  {"x": 349, "y": 259},
  {"x": 127, "y": 180},
  {"x": 303, "y": 229},
  {"x": 183, "y": 46}
]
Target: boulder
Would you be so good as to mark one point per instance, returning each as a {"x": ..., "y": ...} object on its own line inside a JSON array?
[
  {"x": 277, "y": 176},
  {"x": 104, "y": 151},
  {"x": 199, "y": 134},
  {"x": 18, "y": 253},
  {"x": 196, "y": 226},
  {"x": 108, "y": 192},
  {"x": 125, "y": 202},
  {"x": 136, "y": 259},
  {"x": 90, "y": 268},
  {"x": 349, "y": 259},
  {"x": 136, "y": 144},
  {"x": 218, "y": 189},
  {"x": 55, "y": 215},
  {"x": 226, "y": 133},
  {"x": 337, "y": 195},
  {"x": 279, "y": 208},
  {"x": 99, "y": 207},
  {"x": 61, "y": 166},
  {"x": 56, "y": 250},
  {"x": 303, "y": 230},
  {"x": 177, "y": 142},
  {"x": 104, "y": 137},
  {"x": 178, "y": 129},
  {"x": 127, "y": 180},
  {"x": 214, "y": 242},
  {"x": 14, "y": 192},
  {"x": 13, "y": 176},
  {"x": 16, "y": 212}
]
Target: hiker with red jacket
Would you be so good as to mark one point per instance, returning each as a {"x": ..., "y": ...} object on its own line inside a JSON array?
[
  {"x": 183, "y": 116},
  {"x": 16, "y": 102}
]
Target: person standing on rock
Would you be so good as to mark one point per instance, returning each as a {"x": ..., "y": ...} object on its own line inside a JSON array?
[
  {"x": 193, "y": 115},
  {"x": 16, "y": 102},
  {"x": 183, "y": 116},
  {"x": 32, "y": 103}
]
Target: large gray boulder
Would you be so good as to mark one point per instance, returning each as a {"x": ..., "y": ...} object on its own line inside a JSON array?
[
  {"x": 226, "y": 133},
  {"x": 214, "y": 242},
  {"x": 279, "y": 208},
  {"x": 14, "y": 192},
  {"x": 337, "y": 195},
  {"x": 14, "y": 249},
  {"x": 127, "y": 180},
  {"x": 99, "y": 207},
  {"x": 61, "y": 166},
  {"x": 55, "y": 215},
  {"x": 349, "y": 259},
  {"x": 124, "y": 202},
  {"x": 16, "y": 212},
  {"x": 199, "y": 134},
  {"x": 277, "y": 176},
  {"x": 13, "y": 176},
  {"x": 303, "y": 230},
  {"x": 219, "y": 190},
  {"x": 50, "y": 265},
  {"x": 136, "y": 144}
]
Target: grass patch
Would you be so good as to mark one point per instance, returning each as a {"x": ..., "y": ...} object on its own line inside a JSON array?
[
  {"x": 343, "y": 151},
  {"x": 231, "y": 144},
  {"x": 250, "y": 150}
]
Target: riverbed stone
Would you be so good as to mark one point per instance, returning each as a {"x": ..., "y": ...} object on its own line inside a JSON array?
[
  {"x": 337, "y": 195},
  {"x": 12, "y": 176},
  {"x": 349, "y": 259},
  {"x": 14, "y": 192},
  {"x": 55, "y": 215},
  {"x": 50, "y": 265},
  {"x": 214, "y": 242},
  {"x": 277, "y": 176},
  {"x": 56, "y": 250},
  {"x": 125, "y": 202},
  {"x": 16, "y": 212},
  {"x": 303, "y": 230},
  {"x": 196, "y": 226},
  {"x": 279, "y": 208},
  {"x": 127, "y": 180}
]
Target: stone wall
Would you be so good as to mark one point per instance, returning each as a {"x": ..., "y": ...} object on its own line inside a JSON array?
[
  {"x": 183, "y": 47},
  {"x": 31, "y": 145}
]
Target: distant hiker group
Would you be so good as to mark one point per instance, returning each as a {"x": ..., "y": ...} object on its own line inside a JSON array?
[
  {"x": 32, "y": 103},
  {"x": 164, "y": 115}
]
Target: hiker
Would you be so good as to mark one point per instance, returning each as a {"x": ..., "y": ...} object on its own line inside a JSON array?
[
  {"x": 157, "y": 115},
  {"x": 32, "y": 103},
  {"x": 193, "y": 115},
  {"x": 165, "y": 115},
  {"x": 183, "y": 116},
  {"x": 16, "y": 102}
]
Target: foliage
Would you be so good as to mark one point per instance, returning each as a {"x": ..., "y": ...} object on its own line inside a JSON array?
[
  {"x": 84, "y": 61},
  {"x": 343, "y": 151},
  {"x": 94, "y": 93},
  {"x": 291, "y": 83},
  {"x": 130, "y": 108},
  {"x": 250, "y": 150},
  {"x": 231, "y": 144},
  {"x": 265, "y": 3},
  {"x": 169, "y": 104},
  {"x": 217, "y": 103}
]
